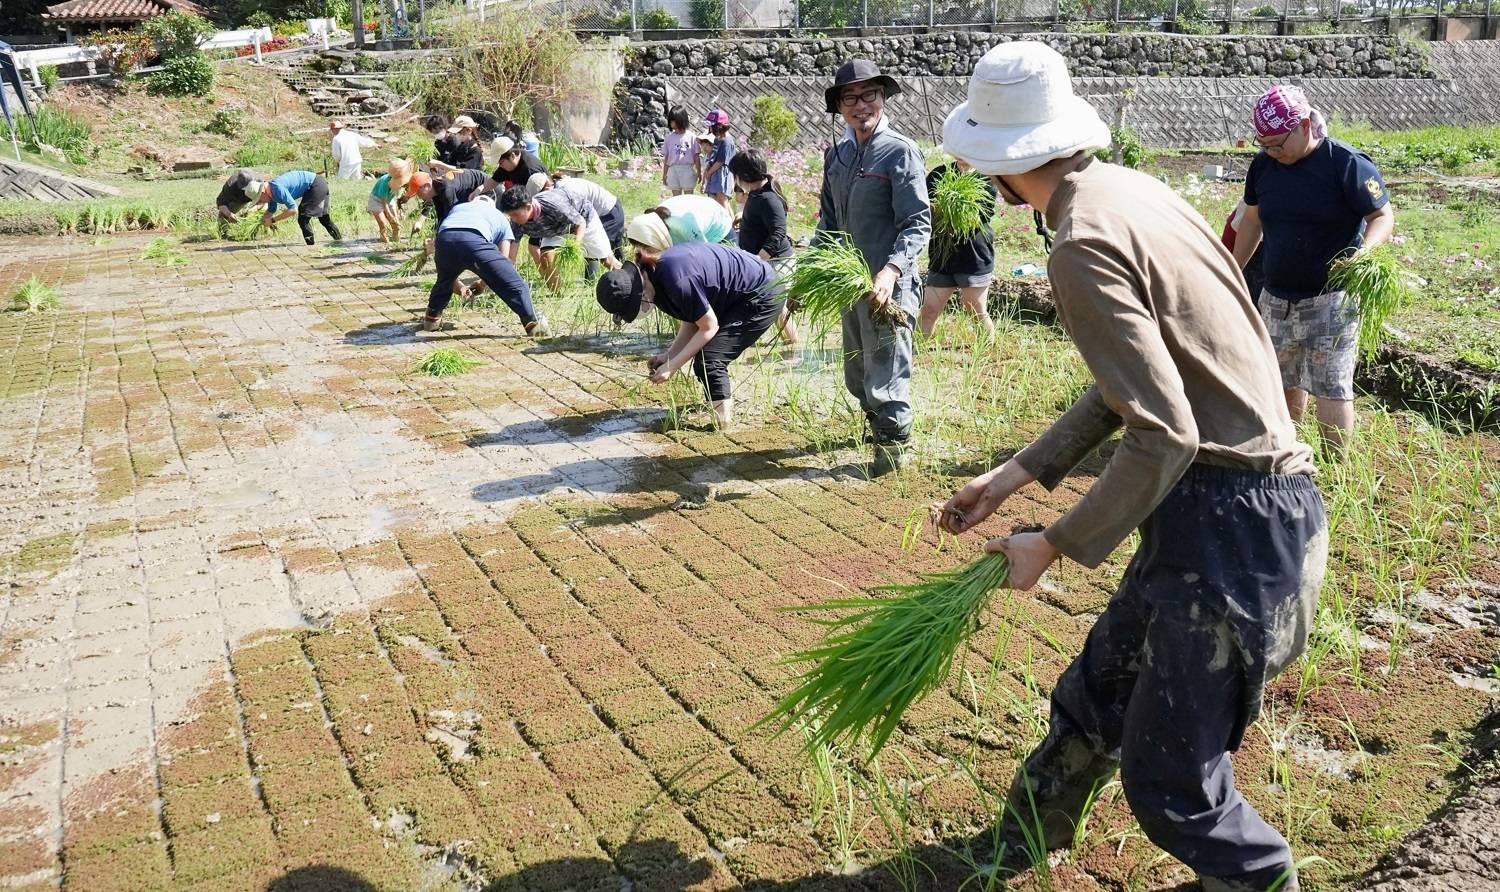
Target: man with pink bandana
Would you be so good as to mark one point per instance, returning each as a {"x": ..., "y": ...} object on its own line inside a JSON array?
[{"x": 1312, "y": 199}]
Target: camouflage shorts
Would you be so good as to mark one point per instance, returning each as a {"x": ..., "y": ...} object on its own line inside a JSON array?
[{"x": 1316, "y": 341}]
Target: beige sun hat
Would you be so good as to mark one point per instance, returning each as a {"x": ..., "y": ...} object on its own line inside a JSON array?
[
  {"x": 1021, "y": 112},
  {"x": 462, "y": 122},
  {"x": 254, "y": 188},
  {"x": 400, "y": 173},
  {"x": 501, "y": 145},
  {"x": 537, "y": 183},
  {"x": 650, "y": 230}
]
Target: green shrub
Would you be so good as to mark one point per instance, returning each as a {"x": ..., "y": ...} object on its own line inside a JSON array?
[
  {"x": 1132, "y": 151},
  {"x": 707, "y": 14},
  {"x": 177, "y": 35},
  {"x": 1264, "y": 11},
  {"x": 56, "y": 128},
  {"x": 184, "y": 76},
  {"x": 259, "y": 19},
  {"x": 226, "y": 122},
  {"x": 48, "y": 74},
  {"x": 289, "y": 27},
  {"x": 772, "y": 125},
  {"x": 657, "y": 19}
]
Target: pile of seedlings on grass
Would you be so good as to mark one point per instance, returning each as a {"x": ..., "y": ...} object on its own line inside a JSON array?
[
  {"x": 960, "y": 205},
  {"x": 1379, "y": 284},
  {"x": 895, "y": 647},
  {"x": 34, "y": 296},
  {"x": 445, "y": 362},
  {"x": 828, "y": 278}
]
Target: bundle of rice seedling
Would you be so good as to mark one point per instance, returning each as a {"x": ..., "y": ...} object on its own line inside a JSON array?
[
  {"x": 245, "y": 229},
  {"x": 410, "y": 266},
  {"x": 1378, "y": 283},
  {"x": 160, "y": 249},
  {"x": 568, "y": 262},
  {"x": 889, "y": 653},
  {"x": 960, "y": 204},
  {"x": 828, "y": 278},
  {"x": 445, "y": 361},
  {"x": 34, "y": 296}
]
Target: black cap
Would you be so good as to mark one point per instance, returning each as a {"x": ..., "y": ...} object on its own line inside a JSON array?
[
  {"x": 619, "y": 292},
  {"x": 855, "y": 71}
]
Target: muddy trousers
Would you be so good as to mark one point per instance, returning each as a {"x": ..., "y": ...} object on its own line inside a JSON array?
[
  {"x": 305, "y": 224},
  {"x": 1217, "y": 601},
  {"x": 458, "y": 250},
  {"x": 877, "y": 372}
]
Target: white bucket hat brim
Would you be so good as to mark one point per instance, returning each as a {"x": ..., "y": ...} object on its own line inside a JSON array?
[{"x": 1001, "y": 150}]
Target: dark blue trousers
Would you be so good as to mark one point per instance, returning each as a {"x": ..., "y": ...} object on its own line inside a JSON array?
[
  {"x": 463, "y": 250},
  {"x": 1218, "y": 600}
]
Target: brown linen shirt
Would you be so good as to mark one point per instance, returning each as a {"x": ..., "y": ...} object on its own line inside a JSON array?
[{"x": 1179, "y": 356}]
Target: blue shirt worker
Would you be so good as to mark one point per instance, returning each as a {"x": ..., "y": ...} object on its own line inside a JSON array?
[
  {"x": 875, "y": 191},
  {"x": 1312, "y": 199},
  {"x": 475, "y": 237},
  {"x": 723, "y": 299},
  {"x": 303, "y": 188}
]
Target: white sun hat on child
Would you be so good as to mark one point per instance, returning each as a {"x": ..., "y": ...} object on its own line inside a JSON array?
[{"x": 1021, "y": 112}]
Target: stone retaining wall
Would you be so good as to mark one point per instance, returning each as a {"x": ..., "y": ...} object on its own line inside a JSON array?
[
  {"x": 22, "y": 181},
  {"x": 641, "y": 95}
]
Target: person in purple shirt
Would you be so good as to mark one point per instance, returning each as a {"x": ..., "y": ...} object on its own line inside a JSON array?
[
  {"x": 303, "y": 188},
  {"x": 722, "y": 298}
]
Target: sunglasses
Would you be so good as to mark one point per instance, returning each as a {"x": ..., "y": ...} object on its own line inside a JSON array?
[{"x": 849, "y": 100}]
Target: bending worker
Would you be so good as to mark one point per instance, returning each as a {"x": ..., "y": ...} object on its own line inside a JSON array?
[{"x": 474, "y": 237}]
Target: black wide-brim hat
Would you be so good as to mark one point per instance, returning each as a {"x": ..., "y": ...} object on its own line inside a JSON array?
[
  {"x": 853, "y": 72},
  {"x": 619, "y": 292}
]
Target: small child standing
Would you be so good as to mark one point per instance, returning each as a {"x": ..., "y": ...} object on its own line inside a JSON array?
[
  {"x": 382, "y": 202},
  {"x": 679, "y": 155},
  {"x": 718, "y": 183}
]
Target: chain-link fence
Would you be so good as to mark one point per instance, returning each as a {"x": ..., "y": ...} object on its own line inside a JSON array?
[{"x": 1189, "y": 16}]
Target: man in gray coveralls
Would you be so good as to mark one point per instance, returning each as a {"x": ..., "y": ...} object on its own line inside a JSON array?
[{"x": 875, "y": 191}]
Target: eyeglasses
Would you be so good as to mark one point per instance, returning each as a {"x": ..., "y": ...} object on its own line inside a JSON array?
[
  {"x": 849, "y": 100},
  {"x": 1274, "y": 147}
]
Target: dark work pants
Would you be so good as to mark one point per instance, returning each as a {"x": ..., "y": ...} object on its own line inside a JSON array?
[
  {"x": 739, "y": 327},
  {"x": 460, "y": 250},
  {"x": 314, "y": 203},
  {"x": 305, "y": 224},
  {"x": 877, "y": 371},
  {"x": 614, "y": 227},
  {"x": 1218, "y": 600}
]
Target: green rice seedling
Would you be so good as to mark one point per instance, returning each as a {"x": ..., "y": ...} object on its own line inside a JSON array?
[
  {"x": 828, "y": 278},
  {"x": 960, "y": 205},
  {"x": 246, "y": 229},
  {"x": 34, "y": 296},
  {"x": 159, "y": 248},
  {"x": 567, "y": 263},
  {"x": 895, "y": 647},
  {"x": 444, "y": 362},
  {"x": 1379, "y": 285},
  {"x": 375, "y": 257},
  {"x": 411, "y": 266}
]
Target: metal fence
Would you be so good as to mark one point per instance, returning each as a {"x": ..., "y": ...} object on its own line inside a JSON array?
[{"x": 1195, "y": 16}]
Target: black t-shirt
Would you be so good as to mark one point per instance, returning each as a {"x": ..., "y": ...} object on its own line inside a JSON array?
[
  {"x": 447, "y": 192},
  {"x": 973, "y": 256},
  {"x": 693, "y": 277},
  {"x": 232, "y": 195},
  {"x": 528, "y": 166},
  {"x": 763, "y": 224},
  {"x": 456, "y": 151},
  {"x": 1311, "y": 212}
]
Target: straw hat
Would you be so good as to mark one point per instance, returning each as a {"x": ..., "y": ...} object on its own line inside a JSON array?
[
  {"x": 400, "y": 173},
  {"x": 1021, "y": 112},
  {"x": 650, "y": 230}
]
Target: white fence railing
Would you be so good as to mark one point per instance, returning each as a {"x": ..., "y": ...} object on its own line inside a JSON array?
[{"x": 31, "y": 60}]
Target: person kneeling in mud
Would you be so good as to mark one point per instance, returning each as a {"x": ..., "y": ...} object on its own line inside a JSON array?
[
  {"x": 721, "y": 296},
  {"x": 475, "y": 237}
]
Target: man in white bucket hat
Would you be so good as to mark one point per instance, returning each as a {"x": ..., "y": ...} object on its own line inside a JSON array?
[{"x": 1221, "y": 593}]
